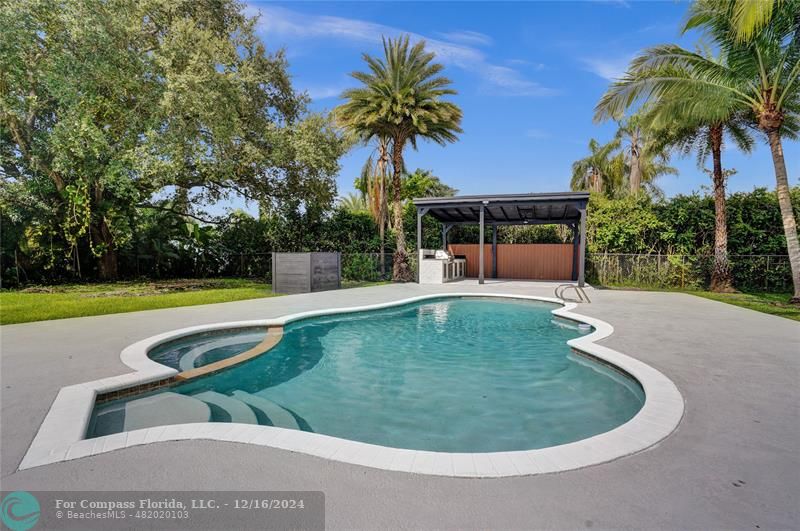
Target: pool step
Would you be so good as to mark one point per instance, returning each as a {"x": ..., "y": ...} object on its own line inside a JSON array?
[
  {"x": 188, "y": 360},
  {"x": 278, "y": 415},
  {"x": 572, "y": 325},
  {"x": 164, "y": 408},
  {"x": 238, "y": 410}
]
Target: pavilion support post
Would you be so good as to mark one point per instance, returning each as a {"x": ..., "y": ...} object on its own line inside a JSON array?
[
  {"x": 494, "y": 251},
  {"x": 445, "y": 230},
  {"x": 576, "y": 240},
  {"x": 582, "y": 257},
  {"x": 480, "y": 246},
  {"x": 420, "y": 212}
]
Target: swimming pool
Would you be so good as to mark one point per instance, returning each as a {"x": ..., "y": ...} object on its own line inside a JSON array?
[{"x": 456, "y": 374}]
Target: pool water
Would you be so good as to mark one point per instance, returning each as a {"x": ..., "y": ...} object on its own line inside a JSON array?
[
  {"x": 198, "y": 350},
  {"x": 450, "y": 374}
]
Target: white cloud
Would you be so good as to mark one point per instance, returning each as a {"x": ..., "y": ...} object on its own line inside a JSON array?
[
  {"x": 610, "y": 68},
  {"x": 513, "y": 82},
  {"x": 502, "y": 79},
  {"x": 537, "y": 134},
  {"x": 467, "y": 37},
  {"x": 323, "y": 93},
  {"x": 525, "y": 62}
]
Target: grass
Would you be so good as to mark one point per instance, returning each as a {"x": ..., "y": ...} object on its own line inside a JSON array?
[
  {"x": 771, "y": 303},
  {"x": 363, "y": 283},
  {"x": 43, "y": 303},
  {"x": 80, "y": 300}
]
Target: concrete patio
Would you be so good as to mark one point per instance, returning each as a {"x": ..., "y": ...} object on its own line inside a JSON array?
[{"x": 734, "y": 461}]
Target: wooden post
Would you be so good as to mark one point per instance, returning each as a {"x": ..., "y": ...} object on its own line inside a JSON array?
[
  {"x": 273, "y": 280},
  {"x": 582, "y": 257},
  {"x": 419, "y": 230},
  {"x": 480, "y": 248},
  {"x": 494, "y": 251},
  {"x": 575, "y": 250},
  {"x": 421, "y": 211}
]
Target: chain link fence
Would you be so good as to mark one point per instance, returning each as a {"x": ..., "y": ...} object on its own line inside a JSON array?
[
  {"x": 659, "y": 271},
  {"x": 357, "y": 267},
  {"x": 663, "y": 271},
  {"x": 367, "y": 267}
]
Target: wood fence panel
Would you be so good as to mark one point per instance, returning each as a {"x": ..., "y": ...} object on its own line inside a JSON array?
[
  {"x": 471, "y": 251},
  {"x": 532, "y": 261},
  {"x": 538, "y": 261}
]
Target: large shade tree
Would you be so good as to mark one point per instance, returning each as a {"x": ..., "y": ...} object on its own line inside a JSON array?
[
  {"x": 109, "y": 106},
  {"x": 402, "y": 98},
  {"x": 758, "y": 80}
]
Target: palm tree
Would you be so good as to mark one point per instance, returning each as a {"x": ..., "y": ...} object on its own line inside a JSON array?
[
  {"x": 401, "y": 99},
  {"x": 632, "y": 132},
  {"x": 593, "y": 172},
  {"x": 423, "y": 183},
  {"x": 353, "y": 203},
  {"x": 686, "y": 130},
  {"x": 646, "y": 162},
  {"x": 749, "y": 17},
  {"x": 758, "y": 80},
  {"x": 652, "y": 166},
  {"x": 374, "y": 178}
]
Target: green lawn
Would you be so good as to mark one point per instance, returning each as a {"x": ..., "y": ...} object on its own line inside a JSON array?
[
  {"x": 42, "y": 303},
  {"x": 80, "y": 300},
  {"x": 771, "y": 303}
]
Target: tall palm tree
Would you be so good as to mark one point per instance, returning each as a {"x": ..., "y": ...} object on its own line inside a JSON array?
[
  {"x": 402, "y": 99},
  {"x": 594, "y": 171},
  {"x": 631, "y": 131},
  {"x": 759, "y": 80},
  {"x": 375, "y": 179},
  {"x": 652, "y": 166},
  {"x": 749, "y": 17},
  {"x": 646, "y": 161},
  {"x": 686, "y": 130}
]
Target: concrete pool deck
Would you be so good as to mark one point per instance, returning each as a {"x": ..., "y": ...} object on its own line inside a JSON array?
[{"x": 734, "y": 461}]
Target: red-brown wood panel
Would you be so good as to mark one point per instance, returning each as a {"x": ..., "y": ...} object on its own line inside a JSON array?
[
  {"x": 534, "y": 261},
  {"x": 538, "y": 261},
  {"x": 471, "y": 251}
]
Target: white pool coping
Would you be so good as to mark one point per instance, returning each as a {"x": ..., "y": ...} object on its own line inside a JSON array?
[{"x": 61, "y": 435}]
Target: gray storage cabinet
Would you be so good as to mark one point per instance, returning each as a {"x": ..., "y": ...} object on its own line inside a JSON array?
[{"x": 306, "y": 272}]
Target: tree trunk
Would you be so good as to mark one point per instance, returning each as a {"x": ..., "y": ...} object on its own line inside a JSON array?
[
  {"x": 636, "y": 173},
  {"x": 383, "y": 162},
  {"x": 721, "y": 279},
  {"x": 401, "y": 267},
  {"x": 107, "y": 261},
  {"x": 785, "y": 202},
  {"x": 382, "y": 232},
  {"x": 597, "y": 183}
]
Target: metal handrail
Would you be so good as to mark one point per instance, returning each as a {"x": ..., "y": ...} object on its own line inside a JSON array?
[{"x": 582, "y": 296}]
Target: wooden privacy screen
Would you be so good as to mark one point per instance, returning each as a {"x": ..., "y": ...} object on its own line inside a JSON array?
[
  {"x": 470, "y": 251},
  {"x": 305, "y": 272},
  {"x": 535, "y": 261}
]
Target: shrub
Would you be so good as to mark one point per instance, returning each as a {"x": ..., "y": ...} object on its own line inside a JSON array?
[{"x": 360, "y": 267}]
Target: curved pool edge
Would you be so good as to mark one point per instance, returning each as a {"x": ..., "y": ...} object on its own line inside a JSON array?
[{"x": 61, "y": 435}]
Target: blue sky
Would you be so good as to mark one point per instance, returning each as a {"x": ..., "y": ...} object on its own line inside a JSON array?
[{"x": 528, "y": 77}]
